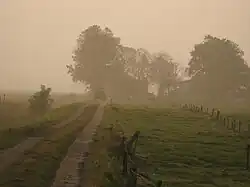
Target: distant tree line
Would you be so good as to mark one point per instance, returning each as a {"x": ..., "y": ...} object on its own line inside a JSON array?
[{"x": 217, "y": 70}]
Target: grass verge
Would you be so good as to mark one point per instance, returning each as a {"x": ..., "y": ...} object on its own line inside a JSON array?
[
  {"x": 39, "y": 127},
  {"x": 101, "y": 168}
]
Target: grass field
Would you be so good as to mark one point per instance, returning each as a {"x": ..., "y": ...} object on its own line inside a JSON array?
[
  {"x": 15, "y": 128},
  {"x": 182, "y": 148},
  {"x": 60, "y": 99}
]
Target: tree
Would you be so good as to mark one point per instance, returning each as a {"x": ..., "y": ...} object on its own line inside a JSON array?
[
  {"x": 40, "y": 102},
  {"x": 96, "y": 50},
  {"x": 137, "y": 62},
  {"x": 164, "y": 71},
  {"x": 159, "y": 68},
  {"x": 217, "y": 68}
]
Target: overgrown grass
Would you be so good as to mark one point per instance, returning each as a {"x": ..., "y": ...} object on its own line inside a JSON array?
[
  {"x": 14, "y": 115},
  {"x": 100, "y": 163},
  {"x": 183, "y": 148},
  {"x": 37, "y": 168},
  {"x": 36, "y": 127}
]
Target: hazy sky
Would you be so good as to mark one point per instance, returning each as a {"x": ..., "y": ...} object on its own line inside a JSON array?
[{"x": 37, "y": 36}]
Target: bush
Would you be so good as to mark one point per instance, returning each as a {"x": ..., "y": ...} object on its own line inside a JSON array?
[{"x": 40, "y": 102}]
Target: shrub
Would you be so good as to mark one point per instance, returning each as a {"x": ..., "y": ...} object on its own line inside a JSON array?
[{"x": 40, "y": 102}]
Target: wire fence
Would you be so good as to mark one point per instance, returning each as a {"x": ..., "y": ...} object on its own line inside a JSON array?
[{"x": 230, "y": 123}]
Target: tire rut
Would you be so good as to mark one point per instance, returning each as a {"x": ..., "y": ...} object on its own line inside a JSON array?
[
  {"x": 72, "y": 118},
  {"x": 68, "y": 173},
  {"x": 11, "y": 155}
]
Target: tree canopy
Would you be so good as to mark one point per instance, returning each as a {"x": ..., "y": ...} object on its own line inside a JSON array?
[
  {"x": 96, "y": 50},
  {"x": 217, "y": 67},
  {"x": 164, "y": 71},
  {"x": 103, "y": 63}
]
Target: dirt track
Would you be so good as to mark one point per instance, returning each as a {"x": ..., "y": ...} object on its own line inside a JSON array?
[{"x": 68, "y": 173}]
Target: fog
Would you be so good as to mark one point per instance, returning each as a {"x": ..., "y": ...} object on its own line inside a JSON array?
[{"x": 37, "y": 37}]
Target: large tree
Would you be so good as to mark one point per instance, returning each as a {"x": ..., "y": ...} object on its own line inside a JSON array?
[
  {"x": 101, "y": 62},
  {"x": 217, "y": 68},
  {"x": 96, "y": 51},
  {"x": 164, "y": 71}
]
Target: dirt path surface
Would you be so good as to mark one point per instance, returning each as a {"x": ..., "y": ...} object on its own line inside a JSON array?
[
  {"x": 68, "y": 173},
  {"x": 11, "y": 155}
]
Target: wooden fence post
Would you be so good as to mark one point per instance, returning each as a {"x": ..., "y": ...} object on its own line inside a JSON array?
[
  {"x": 248, "y": 150},
  {"x": 228, "y": 123},
  {"x": 132, "y": 180},
  {"x": 234, "y": 124},
  {"x": 124, "y": 156},
  {"x": 212, "y": 112},
  {"x": 240, "y": 126},
  {"x": 207, "y": 110},
  {"x": 224, "y": 121},
  {"x": 125, "y": 163},
  {"x": 218, "y": 115},
  {"x": 134, "y": 148},
  {"x": 248, "y": 130}
]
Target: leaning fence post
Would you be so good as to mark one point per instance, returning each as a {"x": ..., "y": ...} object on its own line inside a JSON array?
[
  {"x": 134, "y": 148},
  {"x": 248, "y": 150}
]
